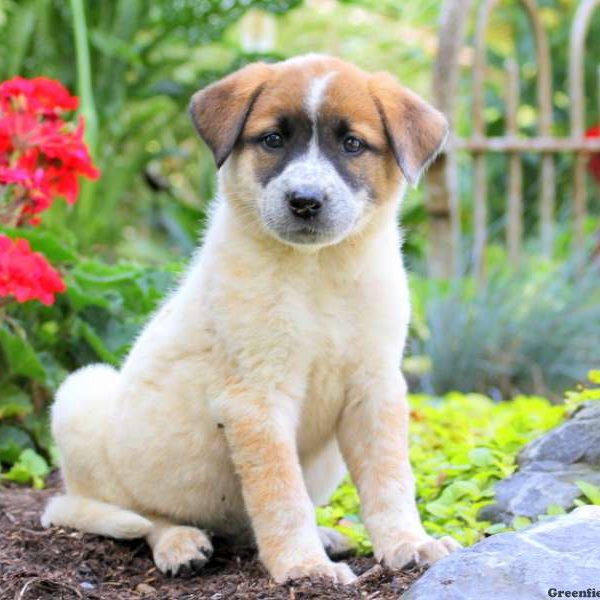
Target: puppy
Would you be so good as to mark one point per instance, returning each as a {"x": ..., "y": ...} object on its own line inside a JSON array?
[{"x": 274, "y": 366}]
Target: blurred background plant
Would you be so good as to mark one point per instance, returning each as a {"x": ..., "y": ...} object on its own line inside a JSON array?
[{"x": 532, "y": 331}]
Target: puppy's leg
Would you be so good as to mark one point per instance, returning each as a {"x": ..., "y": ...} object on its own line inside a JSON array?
[
  {"x": 373, "y": 435},
  {"x": 336, "y": 544},
  {"x": 96, "y": 517},
  {"x": 261, "y": 437},
  {"x": 178, "y": 549}
]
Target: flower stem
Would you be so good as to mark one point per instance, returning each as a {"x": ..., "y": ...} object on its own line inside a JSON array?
[
  {"x": 87, "y": 107},
  {"x": 4, "y": 302},
  {"x": 84, "y": 75}
]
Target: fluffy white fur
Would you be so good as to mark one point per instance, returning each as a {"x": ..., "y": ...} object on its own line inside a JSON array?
[{"x": 233, "y": 408}]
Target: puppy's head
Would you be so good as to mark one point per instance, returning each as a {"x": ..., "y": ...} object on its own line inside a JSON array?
[{"x": 312, "y": 147}]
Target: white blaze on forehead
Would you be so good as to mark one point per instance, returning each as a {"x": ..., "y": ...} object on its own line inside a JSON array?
[
  {"x": 312, "y": 104},
  {"x": 315, "y": 95}
]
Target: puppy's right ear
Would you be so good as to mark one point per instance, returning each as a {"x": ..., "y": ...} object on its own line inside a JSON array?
[{"x": 220, "y": 110}]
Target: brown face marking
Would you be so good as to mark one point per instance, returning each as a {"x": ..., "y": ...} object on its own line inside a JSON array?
[
  {"x": 312, "y": 107},
  {"x": 416, "y": 131},
  {"x": 346, "y": 109},
  {"x": 295, "y": 130},
  {"x": 220, "y": 111},
  {"x": 349, "y": 107}
]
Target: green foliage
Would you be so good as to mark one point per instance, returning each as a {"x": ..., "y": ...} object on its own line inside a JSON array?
[
  {"x": 529, "y": 331},
  {"x": 94, "y": 321},
  {"x": 583, "y": 393},
  {"x": 342, "y": 512},
  {"x": 533, "y": 331},
  {"x": 590, "y": 491},
  {"x": 461, "y": 444},
  {"x": 145, "y": 61},
  {"x": 30, "y": 467}
]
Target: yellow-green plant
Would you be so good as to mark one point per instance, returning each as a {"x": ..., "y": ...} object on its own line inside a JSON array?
[{"x": 461, "y": 445}]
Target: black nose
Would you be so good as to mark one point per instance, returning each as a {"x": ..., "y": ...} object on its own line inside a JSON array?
[{"x": 305, "y": 202}]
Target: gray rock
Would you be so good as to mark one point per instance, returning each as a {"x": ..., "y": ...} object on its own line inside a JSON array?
[
  {"x": 561, "y": 553},
  {"x": 575, "y": 441},
  {"x": 549, "y": 468}
]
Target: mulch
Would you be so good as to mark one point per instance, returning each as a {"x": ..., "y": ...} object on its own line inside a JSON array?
[{"x": 63, "y": 564}]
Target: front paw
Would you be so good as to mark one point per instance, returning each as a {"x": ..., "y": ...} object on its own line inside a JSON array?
[
  {"x": 339, "y": 573},
  {"x": 182, "y": 550},
  {"x": 419, "y": 551}
]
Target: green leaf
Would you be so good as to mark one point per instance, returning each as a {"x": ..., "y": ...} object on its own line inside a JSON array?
[
  {"x": 53, "y": 248},
  {"x": 594, "y": 376},
  {"x": 12, "y": 442},
  {"x": 14, "y": 402},
  {"x": 438, "y": 510},
  {"x": 481, "y": 457},
  {"x": 100, "y": 273},
  {"x": 20, "y": 356},
  {"x": 114, "y": 47},
  {"x": 38, "y": 427},
  {"x": 496, "y": 528},
  {"x": 96, "y": 342},
  {"x": 590, "y": 491},
  {"x": 30, "y": 467},
  {"x": 457, "y": 490},
  {"x": 81, "y": 298},
  {"x": 555, "y": 510},
  {"x": 520, "y": 522}
]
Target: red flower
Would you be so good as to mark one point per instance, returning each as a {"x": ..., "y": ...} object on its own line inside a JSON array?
[
  {"x": 25, "y": 274},
  {"x": 7, "y": 175},
  {"x": 594, "y": 164},
  {"x": 40, "y": 96},
  {"x": 41, "y": 156}
]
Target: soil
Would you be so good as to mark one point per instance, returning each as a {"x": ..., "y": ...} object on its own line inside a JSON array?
[{"x": 57, "y": 563}]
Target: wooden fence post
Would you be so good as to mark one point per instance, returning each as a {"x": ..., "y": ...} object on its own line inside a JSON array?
[
  {"x": 441, "y": 193},
  {"x": 581, "y": 23}
]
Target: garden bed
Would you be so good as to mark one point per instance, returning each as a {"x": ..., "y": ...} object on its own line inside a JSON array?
[{"x": 37, "y": 564}]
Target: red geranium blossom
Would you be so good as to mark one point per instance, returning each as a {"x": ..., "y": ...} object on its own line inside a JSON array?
[
  {"x": 41, "y": 156},
  {"x": 25, "y": 274},
  {"x": 594, "y": 164},
  {"x": 39, "y": 96}
]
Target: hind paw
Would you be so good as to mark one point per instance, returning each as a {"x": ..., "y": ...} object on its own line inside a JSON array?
[{"x": 182, "y": 550}]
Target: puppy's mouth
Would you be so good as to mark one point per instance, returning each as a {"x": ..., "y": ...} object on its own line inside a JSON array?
[
  {"x": 308, "y": 235},
  {"x": 326, "y": 228}
]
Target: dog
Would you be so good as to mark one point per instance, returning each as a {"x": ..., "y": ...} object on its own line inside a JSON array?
[{"x": 274, "y": 366}]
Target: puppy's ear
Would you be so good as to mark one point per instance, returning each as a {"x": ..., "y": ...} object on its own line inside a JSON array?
[
  {"x": 415, "y": 130},
  {"x": 220, "y": 110}
]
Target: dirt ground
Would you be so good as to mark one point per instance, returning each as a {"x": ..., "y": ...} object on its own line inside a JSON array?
[{"x": 64, "y": 564}]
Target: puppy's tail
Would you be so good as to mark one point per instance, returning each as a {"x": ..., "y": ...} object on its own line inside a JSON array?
[
  {"x": 95, "y": 517},
  {"x": 80, "y": 417},
  {"x": 82, "y": 399}
]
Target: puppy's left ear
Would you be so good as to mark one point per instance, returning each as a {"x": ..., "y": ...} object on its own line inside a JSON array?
[
  {"x": 220, "y": 110},
  {"x": 415, "y": 130}
]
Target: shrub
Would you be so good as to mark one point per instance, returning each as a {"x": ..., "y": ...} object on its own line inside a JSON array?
[
  {"x": 530, "y": 331},
  {"x": 95, "y": 320},
  {"x": 101, "y": 307},
  {"x": 461, "y": 445},
  {"x": 41, "y": 158}
]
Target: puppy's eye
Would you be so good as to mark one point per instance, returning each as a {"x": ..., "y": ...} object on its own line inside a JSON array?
[
  {"x": 352, "y": 145},
  {"x": 272, "y": 140}
]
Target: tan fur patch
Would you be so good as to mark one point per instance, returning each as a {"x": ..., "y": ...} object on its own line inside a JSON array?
[{"x": 401, "y": 128}]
